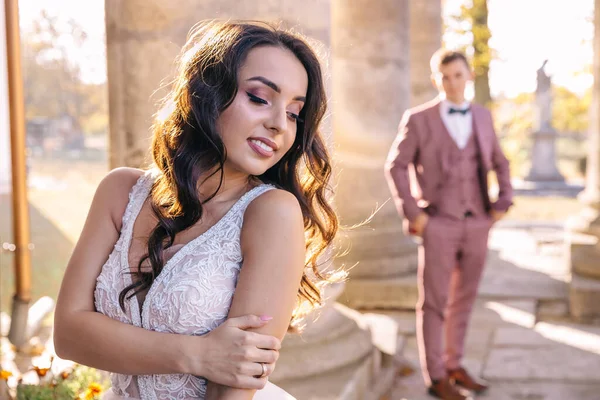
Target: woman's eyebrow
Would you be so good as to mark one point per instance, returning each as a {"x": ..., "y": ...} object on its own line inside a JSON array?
[{"x": 273, "y": 86}]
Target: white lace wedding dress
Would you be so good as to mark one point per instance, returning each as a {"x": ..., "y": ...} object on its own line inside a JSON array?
[{"x": 191, "y": 296}]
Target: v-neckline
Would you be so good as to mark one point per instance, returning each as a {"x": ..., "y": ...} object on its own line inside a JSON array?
[{"x": 135, "y": 304}]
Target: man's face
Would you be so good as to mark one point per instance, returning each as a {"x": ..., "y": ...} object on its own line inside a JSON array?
[{"x": 452, "y": 79}]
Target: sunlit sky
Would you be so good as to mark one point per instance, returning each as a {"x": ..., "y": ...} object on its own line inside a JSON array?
[
  {"x": 524, "y": 33},
  {"x": 89, "y": 14}
]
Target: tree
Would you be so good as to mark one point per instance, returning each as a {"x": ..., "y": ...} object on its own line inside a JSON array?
[
  {"x": 514, "y": 122},
  {"x": 482, "y": 54},
  {"x": 570, "y": 110},
  {"x": 52, "y": 80},
  {"x": 471, "y": 28}
]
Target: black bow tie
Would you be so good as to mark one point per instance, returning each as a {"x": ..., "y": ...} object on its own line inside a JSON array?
[{"x": 458, "y": 110}]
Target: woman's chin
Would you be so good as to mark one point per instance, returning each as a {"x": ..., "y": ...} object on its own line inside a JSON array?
[{"x": 254, "y": 170}]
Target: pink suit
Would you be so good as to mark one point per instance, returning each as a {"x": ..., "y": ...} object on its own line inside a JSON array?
[{"x": 427, "y": 171}]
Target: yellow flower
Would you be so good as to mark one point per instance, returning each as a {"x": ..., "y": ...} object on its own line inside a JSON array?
[
  {"x": 92, "y": 391},
  {"x": 41, "y": 372},
  {"x": 4, "y": 375}
]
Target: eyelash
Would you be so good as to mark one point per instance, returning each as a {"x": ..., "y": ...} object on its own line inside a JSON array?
[{"x": 258, "y": 100}]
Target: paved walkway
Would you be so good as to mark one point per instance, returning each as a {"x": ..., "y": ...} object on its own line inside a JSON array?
[{"x": 520, "y": 338}]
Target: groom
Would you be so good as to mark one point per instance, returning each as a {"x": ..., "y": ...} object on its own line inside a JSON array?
[{"x": 437, "y": 171}]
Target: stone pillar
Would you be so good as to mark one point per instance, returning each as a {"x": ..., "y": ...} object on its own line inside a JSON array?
[
  {"x": 425, "y": 39},
  {"x": 335, "y": 355},
  {"x": 585, "y": 228},
  {"x": 371, "y": 86}
]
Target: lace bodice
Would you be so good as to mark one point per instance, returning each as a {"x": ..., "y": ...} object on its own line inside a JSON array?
[{"x": 192, "y": 295}]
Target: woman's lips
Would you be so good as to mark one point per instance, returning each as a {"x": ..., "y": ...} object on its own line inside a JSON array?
[{"x": 262, "y": 146}]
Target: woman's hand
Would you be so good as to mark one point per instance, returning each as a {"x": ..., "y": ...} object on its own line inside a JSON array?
[{"x": 232, "y": 356}]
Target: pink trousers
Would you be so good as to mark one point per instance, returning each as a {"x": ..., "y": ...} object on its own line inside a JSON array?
[{"x": 451, "y": 261}]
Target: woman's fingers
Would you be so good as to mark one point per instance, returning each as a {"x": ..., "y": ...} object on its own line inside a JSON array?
[
  {"x": 261, "y": 370},
  {"x": 262, "y": 341},
  {"x": 263, "y": 356}
]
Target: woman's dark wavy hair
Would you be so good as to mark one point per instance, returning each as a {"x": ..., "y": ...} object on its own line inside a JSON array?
[{"x": 186, "y": 146}]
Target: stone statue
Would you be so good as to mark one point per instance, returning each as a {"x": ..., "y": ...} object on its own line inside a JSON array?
[
  {"x": 544, "y": 166},
  {"x": 543, "y": 99},
  {"x": 543, "y": 80}
]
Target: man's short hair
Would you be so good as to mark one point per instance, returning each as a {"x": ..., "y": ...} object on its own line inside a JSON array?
[{"x": 445, "y": 57}]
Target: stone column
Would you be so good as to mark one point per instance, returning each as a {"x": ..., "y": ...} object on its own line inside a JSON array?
[
  {"x": 335, "y": 355},
  {"x": 585, "y": 228},
  {"x": 371, "y": 86},
  {"x": 425, "y": 39}
]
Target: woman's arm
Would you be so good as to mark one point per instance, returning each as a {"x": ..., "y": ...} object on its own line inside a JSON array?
[
  {"x": 273, "y": 247},
  {"x": 91, "y": 338}
]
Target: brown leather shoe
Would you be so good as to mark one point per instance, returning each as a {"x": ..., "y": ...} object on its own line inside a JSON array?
[
  {"x": 462, "y": 378},
  {"x": 445, "y": 390}
]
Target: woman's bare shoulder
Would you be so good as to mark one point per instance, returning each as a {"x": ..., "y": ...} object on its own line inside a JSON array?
[
  {"x": 274, "y": 205},
  {"x": 275, "y": 212},
  {"x": 113, "y": 191}
]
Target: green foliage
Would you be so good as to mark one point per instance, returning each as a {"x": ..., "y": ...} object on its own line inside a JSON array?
[
  {"x": 471, "y": 28},
  {"x": 35, "y": 392},
  {"x": 477, "y": 15},
  {"x": 514, "y": 124},
  {"x": 570, "y": 111},
  {"x": 84, "y": 377},
  {"x": 80, "y": 383}
]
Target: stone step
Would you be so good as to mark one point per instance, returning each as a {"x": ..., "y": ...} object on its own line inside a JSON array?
[
  {"x": 371, "y": 256},
  {"x": 387, "y": 293},
  {"x": 501, "y": 280},
  {"x": 366, "y": 379},
  {"x": 328, "y": 323},
  {"x": 347, "y": 340},
  {"x": 352, "y": 358},
  {"x": 585, "y": 256},
  {"x": 584, "y": 298}
]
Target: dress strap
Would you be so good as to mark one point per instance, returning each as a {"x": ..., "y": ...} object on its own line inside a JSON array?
[
  {"x": 252, "y": 194},
  {"x": 137, "y": 195}
]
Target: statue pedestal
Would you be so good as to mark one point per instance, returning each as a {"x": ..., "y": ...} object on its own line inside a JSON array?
[
  {"x": 543, "y": 158},
  {"x": 543, "y": 152}
]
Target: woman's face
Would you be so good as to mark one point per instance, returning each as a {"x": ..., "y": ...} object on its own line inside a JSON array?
[{"x": 260, "y": 125}]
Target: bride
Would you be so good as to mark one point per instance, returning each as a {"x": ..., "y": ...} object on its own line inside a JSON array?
[{"x": 187, "y": 275}]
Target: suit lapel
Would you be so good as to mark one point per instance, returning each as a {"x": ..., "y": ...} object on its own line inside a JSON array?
[
  {"x": 435, "y": 120},
  {"x": 480, "y": 130},
  {"x": 440, "y": 132}
]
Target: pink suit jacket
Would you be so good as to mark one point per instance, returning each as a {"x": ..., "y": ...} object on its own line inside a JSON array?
[{"x": 418, "y": 162}]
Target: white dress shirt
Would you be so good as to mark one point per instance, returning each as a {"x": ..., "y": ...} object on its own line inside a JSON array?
[{"x": 459, "y": 126}]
